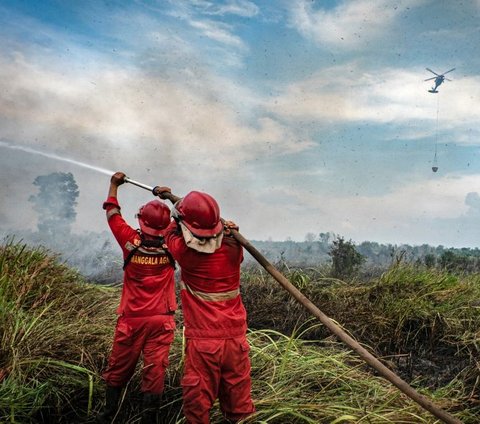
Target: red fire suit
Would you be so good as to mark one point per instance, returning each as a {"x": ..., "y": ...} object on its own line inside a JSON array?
[
  {"x": 146, "y": 312},
  {"x": 217, "y": 364}
]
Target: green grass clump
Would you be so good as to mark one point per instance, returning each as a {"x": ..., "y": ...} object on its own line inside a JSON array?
[
  {"x": 407, "y": 308},
  {"x": 55, "y": 331},
  {"x": 428, "y": 306}
]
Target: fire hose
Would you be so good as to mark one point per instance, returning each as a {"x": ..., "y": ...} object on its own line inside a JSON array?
[{"x": 370, "y": 359}]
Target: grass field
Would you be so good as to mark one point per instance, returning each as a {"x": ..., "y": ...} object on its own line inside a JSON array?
[{"x": 56, "y": 330}]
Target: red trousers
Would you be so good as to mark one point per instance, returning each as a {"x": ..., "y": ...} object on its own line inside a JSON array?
[
  {"x": 217, "y": 368},
  {"x": 151, "y": 336}
]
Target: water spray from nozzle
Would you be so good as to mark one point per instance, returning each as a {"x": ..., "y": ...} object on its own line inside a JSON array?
[{"x": 54, "y": 156}]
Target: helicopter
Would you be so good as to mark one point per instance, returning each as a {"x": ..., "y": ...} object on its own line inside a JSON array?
[{"x": 439, "y": 79}]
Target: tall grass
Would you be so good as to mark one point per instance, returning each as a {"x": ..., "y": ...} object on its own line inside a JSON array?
[
  {"x": 407, "y": 308},
  {"x": 56, "y": 331},
  {"x": 424, "y": 322},
  {"x": 298, "y": 381}
]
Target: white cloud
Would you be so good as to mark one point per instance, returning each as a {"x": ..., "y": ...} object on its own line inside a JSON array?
[
  {"x": 120, "y": 108},
  {"x": 218, "y": 31},
  {"x": 348, "y": 94},
  {"x": 350, "y": 25},
  {"x": 195, "y": 11},
  {"x": 242, "y": 8},
  {"x": 436, "y": 198},
  {"x": 422, "y": 211}
]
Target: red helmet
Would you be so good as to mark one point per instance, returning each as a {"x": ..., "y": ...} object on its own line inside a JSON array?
[
  {"x": 154, "y": 217},
  {"x": 200, "y": 214}
]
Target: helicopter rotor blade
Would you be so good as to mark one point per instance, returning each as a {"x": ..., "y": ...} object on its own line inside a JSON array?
[
  {"x": 429, "y": 79},
  {"x": 448, "y": 79},
  {"x": 433, "y": 72},
  {"x": 449, "y": 71}
]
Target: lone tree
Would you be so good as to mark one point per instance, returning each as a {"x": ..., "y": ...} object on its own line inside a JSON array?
[
  {"x": 345, "y": 258},
  {"x": 55, "y": 202}
]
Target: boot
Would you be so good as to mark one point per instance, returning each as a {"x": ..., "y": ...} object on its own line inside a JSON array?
[
  {"x": 150, "y": 405},
  {"x": 112, "y": 397}
]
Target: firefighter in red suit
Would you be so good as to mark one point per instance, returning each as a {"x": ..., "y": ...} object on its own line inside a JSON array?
[
  {"x": 217, "y": 363},
  {"x": 146, "y": 312}
]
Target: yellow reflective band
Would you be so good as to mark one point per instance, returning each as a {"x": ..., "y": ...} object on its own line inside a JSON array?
[{"x": 211, "y": 297}]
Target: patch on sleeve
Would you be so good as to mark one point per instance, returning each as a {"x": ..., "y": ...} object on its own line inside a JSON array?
[{"x": 130, "y": 245}]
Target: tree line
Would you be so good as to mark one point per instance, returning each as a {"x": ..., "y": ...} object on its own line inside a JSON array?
[
  {"x": 345, "y": 257},
  {"x": 95, "y": 255}
]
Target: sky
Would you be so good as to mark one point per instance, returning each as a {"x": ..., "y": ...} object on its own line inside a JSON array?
[{"x": 297, "y": 116}]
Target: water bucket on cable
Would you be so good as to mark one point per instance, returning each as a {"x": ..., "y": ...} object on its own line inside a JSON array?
[{"x": 435, "y": 165}]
